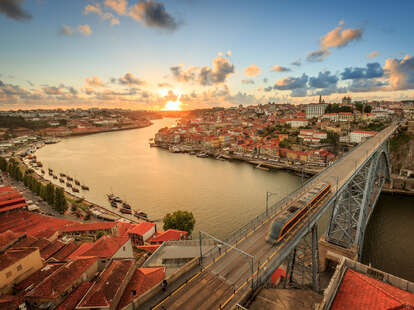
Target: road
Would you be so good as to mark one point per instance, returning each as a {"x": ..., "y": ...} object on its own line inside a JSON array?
[{"x": 221, "y": 283}]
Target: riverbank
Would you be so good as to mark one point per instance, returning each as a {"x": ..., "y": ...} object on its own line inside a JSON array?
[{"x": 263, "y": 163}]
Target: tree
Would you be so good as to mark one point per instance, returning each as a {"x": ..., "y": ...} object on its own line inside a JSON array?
[
  {"x": 3, "y": 164},
  {"x": 60, "y": 202},
  {"x": 50, "y": 193},
  {"x": 182, "y": 220}
]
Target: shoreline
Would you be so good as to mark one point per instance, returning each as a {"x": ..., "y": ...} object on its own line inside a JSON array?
[{"x": 75, "y": 134}]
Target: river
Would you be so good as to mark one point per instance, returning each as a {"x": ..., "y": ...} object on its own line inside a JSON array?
[{"x": 222, "y": 195}]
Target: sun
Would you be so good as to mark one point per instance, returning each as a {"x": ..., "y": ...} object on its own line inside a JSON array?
[{"x": 172, "y": 106}]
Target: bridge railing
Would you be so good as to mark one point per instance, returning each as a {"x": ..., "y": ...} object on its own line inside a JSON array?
[{"x": 239, "y": 234}]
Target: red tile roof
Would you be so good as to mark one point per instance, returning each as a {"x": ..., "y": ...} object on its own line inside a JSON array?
[
  {"x": 141, "y": 228},
  {"x": 168, "y": 235},
  {"x": 51, "y": 249},
  {"x": 62, "y": 280},
  {"x": 150, "y": 247},
  {"x": 107, "y": 286},
  {"x": 11, "y": 302},
  {"x": 12, "y": 256},
  {"x": 35, "y": 278},
  {"x": 142, "y": 280},
  {"x": 65, "y": 251},
  {"x": 89, "y": 226},
  {"x": 360, "y": 292},
  {"x": 80, "y": 250},
  {"x": 105, "y": 247},
  {"x": 8, "y": 237},
  {"x": 73, "y": 299}
]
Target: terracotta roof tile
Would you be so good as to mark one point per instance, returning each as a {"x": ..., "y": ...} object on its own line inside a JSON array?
[
  {"x": 73, "y": 299},
  {"x": 142, "y": 280},
  {"x": 107, "y": 286},
  {"x": 35, "y": 278},
  {"x": 106, "y": 246},
  {"x": 8, "y": 237},
  {"x": 141, "y": 228},
  {"x": 168, "y": 235},
  {"x": 360, "y": 292},
  {"x": 51, "y": 249},
  {"x": 65, "y": 251},
  {"x": 62, "y": 279},
  {"x": 12, "y": 256}
]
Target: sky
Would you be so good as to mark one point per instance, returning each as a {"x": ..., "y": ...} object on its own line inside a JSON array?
[{"x": 188, "y": 54}]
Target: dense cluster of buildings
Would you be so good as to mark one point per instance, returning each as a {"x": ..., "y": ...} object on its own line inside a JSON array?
[
  {"x": 54, "y": 263},
  {"x": 274, "y": 131}
]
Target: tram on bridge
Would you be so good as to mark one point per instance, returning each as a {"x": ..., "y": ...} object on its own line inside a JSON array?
[{"x": 298, "y": 211}]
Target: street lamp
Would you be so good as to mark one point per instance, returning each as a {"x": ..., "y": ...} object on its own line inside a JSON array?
[{"x": 268, "y": 194}]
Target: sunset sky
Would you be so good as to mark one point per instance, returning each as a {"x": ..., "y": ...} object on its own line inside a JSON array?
[{"x": 196, "y": 53}]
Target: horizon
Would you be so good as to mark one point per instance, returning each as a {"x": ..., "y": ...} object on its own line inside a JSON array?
[{"x": 187, "y": 55}]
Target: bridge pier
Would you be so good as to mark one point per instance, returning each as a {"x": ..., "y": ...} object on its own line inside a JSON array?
[{"x": 332, "y": 252}]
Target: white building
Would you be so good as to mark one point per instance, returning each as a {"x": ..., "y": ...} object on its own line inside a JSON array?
[
  {"x": 357, "y": 136},
  {"x": 315, "y": 110},
  {"x": 296, "y": 122},
  {"x": 312, "y": 136}
]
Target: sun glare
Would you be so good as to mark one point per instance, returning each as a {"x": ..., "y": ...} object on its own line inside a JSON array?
[{"x": 171, "y": 105}]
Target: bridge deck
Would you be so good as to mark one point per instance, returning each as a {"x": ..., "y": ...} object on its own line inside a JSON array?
[{"x": 222, "y": 283}]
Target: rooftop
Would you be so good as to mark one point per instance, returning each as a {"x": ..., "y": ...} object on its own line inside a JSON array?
[
  {"x": 107, "y": 286},
  {"x": 12, "y": 256},
  {"x": 142, "y": 280},
  {"x": 360, "y": 292},
  {"x": 73, "y": 299},
  {"x": 62, "y": 279},
  {"x": 141, "y": 228},
  {"x": 106, "y": 246},
  {"x": 168, "y": 235},
  {"x": 35, "y": 278}
]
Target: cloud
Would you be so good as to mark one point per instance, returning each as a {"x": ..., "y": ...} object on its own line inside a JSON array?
[
  {"x": 96, "y": 9},
  {"x": 85, "y": 30},
  {"x": 367, "y": 86},
  {"x": 182, "y": 75},
  {"x": 53, "y": 90},
  {"x": 400, "y": 73},
  {"x": 94, "y": 81},
  {"x": 323, "y": 80},
  {"x": 340, "y": 37},
  {"x": 164, "y": 85},
  {"x": 247, "y": 82},
  {"x": 277, "y": 68},
  {"x": 297, "y": 62},
  {"x": 153, "y": 14},
  {"x": 119, "y": 6},
  {"x": 373, "y": 54},
  {"x": 66, "y": 30},
  {"x": 13, "y": 9},
  {"x": 216, "y": 74},
  {"x": 252, "y": 70},
  {"x": 318, "y": 56},
  {"x": 129, "y": 79},
  {"x": 373, "y": 70},
  {"x": 290, "y": 83}
]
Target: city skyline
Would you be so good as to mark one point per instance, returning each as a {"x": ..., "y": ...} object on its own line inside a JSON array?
[{"x": 193, "y": 54}]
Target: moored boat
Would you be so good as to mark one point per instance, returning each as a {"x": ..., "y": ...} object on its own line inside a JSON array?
[
  {"x": 77, "y": 182},
  {"x": 61, "y": 180},
  {"x": 126, "y": 211},
  {"x": 68, "y": 184},
  {"x": 55, "y": 177},
  {"x": 84, "y": 187},
  {"x": 75, "y": 189}
]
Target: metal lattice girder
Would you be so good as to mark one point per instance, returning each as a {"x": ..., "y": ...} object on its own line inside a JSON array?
[
  {"x": 303, "y": 263},
  {"x": 354, "y": 203}
]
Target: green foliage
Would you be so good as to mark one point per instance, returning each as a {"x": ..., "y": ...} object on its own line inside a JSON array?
[
  {"x": 60, "y": 204},
  {"x": 3, "y": 164},
  {"x": 16, "y": 122},
  {"x": 360, "y": 106},
  {"x": 336, "y": 108},
  {"x": 374, "y": 126},
  {"x": 284, "y": 144},
  {"x": 182, "y": 220},
  {"x": 50, "y": 193},
  {"x": 332, "y": 139}
]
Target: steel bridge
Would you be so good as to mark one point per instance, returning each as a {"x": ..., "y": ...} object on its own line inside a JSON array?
[{"x": 234, "y": 268}]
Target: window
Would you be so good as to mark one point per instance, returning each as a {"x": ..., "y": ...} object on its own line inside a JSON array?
[
  {"x": 19, "y": 267},
  {"x": 123, "y": 249},
  {"x": 8, "y": 274}
]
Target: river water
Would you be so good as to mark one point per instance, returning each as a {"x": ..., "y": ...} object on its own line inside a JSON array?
[{"x": 222, "y": 195}]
